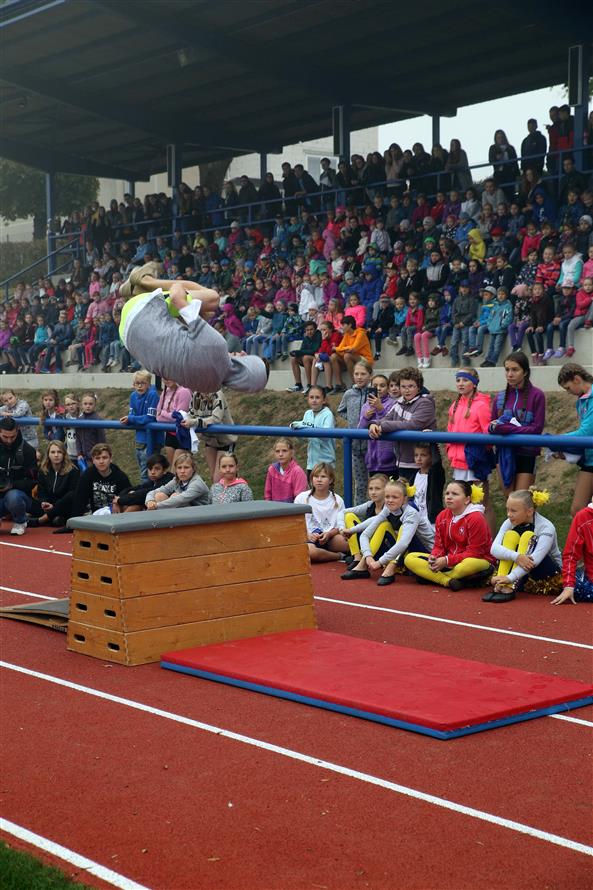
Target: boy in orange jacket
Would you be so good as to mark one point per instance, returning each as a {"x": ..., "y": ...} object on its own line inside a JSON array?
[{"x": 353, "y": 346}]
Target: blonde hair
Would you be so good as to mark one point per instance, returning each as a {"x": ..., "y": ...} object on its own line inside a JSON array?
[
  {"x": 400, "y": 483},
  {"x": 184, "y": 457},
  {"x": 67, "y": 464},
  {"x": 323, "y": 467},
  {"x": 532, "y": 497},
  {"x": 142, "y": 376}
]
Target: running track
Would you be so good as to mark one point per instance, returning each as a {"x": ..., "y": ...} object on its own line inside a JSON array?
[{"x": 136, "y": 777}]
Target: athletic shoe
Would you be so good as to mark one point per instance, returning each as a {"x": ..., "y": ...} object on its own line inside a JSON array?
[
  {"x": 487, "y": 364},
  {"x": 420, "y": 363},
  {"x": 426, "y": 363},
  {"x": 338, "y": 389},
  {"x": 296, "y": 388},
  {"x": 401, "y": 351},
  {"x": 560, "y": 352},
  {"x": 306, "y": 390},
  {"x": 377, "y": 356},
  {"x": 19, "y": 528},
  {"x": 570, "y": 352},
  {"x": 547, "y": 355}
]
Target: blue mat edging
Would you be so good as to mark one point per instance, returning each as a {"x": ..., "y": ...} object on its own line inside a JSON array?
[{"x": 443, "y": 735}]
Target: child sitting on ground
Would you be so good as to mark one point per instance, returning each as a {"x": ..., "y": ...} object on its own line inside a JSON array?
[
  {"x": 98, "y": 485},
  {"x": 318, "y": 416},
  {"x": 527, "y": 547},
  {"x": 578, "y": 582},
  {"x": 187, "y": 489},
  {"x": 461, "y": 554},
  {"x": 132, "y": 500},
  {"x": 231, "y": 488},
  {"x": 357, "y": 518},
  {"x": 429, "y": 481},
  {"x": 401, "y": 524},
  {"x": 325, "y": 542},
  {"x": 285, "y": 478}
]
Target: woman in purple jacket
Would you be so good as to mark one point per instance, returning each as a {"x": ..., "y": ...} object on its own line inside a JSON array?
[
  {"x": 519, "y": 409},
  {"x": 379, "y": 456}
]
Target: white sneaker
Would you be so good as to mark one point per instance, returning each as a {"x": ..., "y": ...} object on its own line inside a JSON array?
[
  {"x": 426, "y": 363},
  {"x": 420, "y": 363},
  {"x": 18, "y": 528}
]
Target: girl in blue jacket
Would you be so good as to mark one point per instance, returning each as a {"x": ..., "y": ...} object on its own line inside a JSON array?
[
  {"x": 318, "y": 416},
  {"x": 578, "y": 382}
]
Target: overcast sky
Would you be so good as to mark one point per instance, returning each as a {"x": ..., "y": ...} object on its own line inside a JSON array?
[{"x": 475, "y": 124}]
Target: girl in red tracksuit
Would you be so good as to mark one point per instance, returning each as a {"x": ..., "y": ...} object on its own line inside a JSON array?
[
  {"x": 578, "y": 583},
  {"x": 461, "y": 554}
]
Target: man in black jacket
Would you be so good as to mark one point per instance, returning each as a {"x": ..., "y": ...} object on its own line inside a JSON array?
[
  {"x": 18, "y": 467},
  {"x": 533, "y": 148}
]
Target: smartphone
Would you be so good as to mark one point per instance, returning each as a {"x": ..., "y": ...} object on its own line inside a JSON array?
[{"x": 373, "y": 391}]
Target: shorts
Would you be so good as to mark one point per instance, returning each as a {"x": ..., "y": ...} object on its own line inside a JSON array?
[
  {"x": 585, "y": 469},
  {"x": 171, "y": 441},
  {"x": 525, "y": 463}
]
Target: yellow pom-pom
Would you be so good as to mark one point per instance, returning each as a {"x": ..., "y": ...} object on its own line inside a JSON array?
[
  {"x": 410, "y": 490},
  {"x": 477, "y": 494},
  {"x": 540, "y": 497}
]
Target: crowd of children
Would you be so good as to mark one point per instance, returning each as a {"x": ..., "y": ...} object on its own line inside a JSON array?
[
  {"x": 406, "y": 519},
  {"x": 455, "y": 272}
]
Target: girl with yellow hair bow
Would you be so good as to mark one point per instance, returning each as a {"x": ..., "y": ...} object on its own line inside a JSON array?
[{"x": 527, "y": 549}]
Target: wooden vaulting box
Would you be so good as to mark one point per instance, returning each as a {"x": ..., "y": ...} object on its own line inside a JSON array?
[{"x": 146, "y": 583}]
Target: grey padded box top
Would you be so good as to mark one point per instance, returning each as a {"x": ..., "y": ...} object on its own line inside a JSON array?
[{"x": 119, "y": 523}]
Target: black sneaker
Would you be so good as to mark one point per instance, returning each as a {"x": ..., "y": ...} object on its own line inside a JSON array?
[{"x": 296, "y": 388}]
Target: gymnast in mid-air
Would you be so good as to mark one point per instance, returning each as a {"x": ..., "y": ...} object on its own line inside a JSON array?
[{"x": 164, "y": 326}]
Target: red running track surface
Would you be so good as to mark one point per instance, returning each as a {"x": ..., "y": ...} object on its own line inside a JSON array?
[{"x": 178, "y": 806}]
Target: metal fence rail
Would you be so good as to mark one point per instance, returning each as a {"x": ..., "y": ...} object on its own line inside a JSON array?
[{"x": 347, "y": 435}]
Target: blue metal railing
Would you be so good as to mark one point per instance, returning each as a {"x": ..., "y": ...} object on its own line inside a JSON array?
[{"x": 347, "y": 435}]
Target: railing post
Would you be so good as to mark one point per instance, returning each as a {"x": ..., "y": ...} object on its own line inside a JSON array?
[
  {"x": 50, "y": 208},
  {"x": 347, "y": 456}
]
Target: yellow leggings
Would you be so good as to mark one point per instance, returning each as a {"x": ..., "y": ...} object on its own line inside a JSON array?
[
  {"x": 351, "y": 519},
  {"x": 418, "y": 564},
  {"x": 513, "y": 541}
]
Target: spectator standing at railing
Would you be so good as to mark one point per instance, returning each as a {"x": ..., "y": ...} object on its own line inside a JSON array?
[
  {"x": 270, "y": 193},
  {"x": 503, "y": 158},
  {"x": 230, "y": 199},
  {"x": 327, "y": 184},
  {"x": 457, "y": 166},
  {"x": 533, "y": 148}
]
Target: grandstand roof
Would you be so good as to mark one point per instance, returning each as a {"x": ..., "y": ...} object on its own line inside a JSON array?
[{"x": 102, "y": 86}]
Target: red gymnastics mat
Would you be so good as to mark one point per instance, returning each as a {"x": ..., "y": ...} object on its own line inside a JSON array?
[{"x": 436, "y": 695}]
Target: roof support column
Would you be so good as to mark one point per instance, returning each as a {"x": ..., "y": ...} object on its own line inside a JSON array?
[
  {"x": 50, "y": 212},
  {"x": 263, "y": 166},
  {"x": 579, "y": 72},
  {"x": 174, "y": 174},
  {"x": 436, "y": 129},
  {"x": 130, "y": 187},
  {"x": 341, "y": 131}
]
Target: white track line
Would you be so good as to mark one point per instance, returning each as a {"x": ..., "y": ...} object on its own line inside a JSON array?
[
  {"x": 325, "y": 599},
  {"x": 28, "y": 593},
  {"x": 571, "y": 719},
  {"x": 87, "y": 865},
  {"x": 369, "y": 779},
  {"x": 38, "y": 549},
  {"x": 495, "y": 630}
]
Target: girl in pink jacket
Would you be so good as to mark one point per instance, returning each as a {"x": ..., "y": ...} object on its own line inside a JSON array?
[
  {"x": 469, "y": 413},
  {"x": 285, "y": 478},
  {"x": 173, "y": 398}
]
